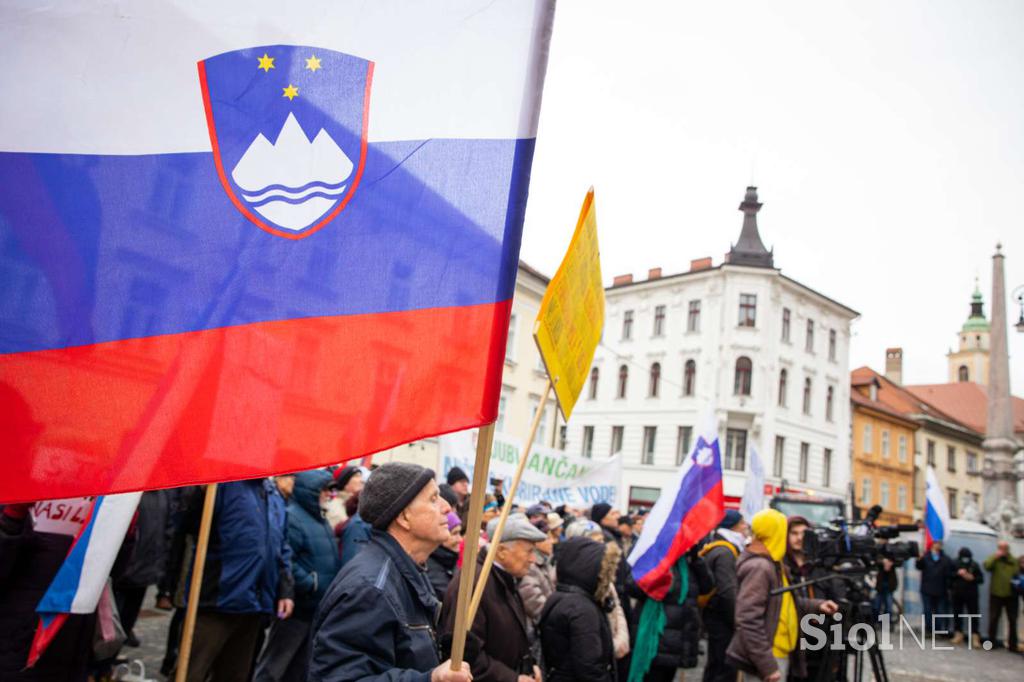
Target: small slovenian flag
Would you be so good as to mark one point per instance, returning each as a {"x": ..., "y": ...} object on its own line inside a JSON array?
[
  {"x": 681, "y": 518},
  {"x": 936, "y": 515},
  {"x": 81, "y": 578}
]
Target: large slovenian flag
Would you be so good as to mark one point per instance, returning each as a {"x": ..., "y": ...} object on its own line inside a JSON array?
[
  {"x": 691, "y": 506},
  {"x": 80, "y": 580},
  {"x": 244, "y": 238},
  {"x": 936, "y": 514}
]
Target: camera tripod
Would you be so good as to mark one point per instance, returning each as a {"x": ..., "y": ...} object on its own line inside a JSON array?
[{"x": 855, "y": 608}]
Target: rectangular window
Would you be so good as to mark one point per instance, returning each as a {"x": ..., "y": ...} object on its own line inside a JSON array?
[
  {"x": 748, "y": 310},
  {"x": 865, "y": 491},
  {"x": 647, "y": 457},
  {"x": 587, "y": 450},
  {"x": 617, "y": 432},
  {"x": 866, "y": 446},
  {"x": 510, "y": 341},
  {"x": 826, "y": 468},
  {"x": 885, "y": 443},
  {"x": 903, "y": 449},
  {"x": 931, "y": 453},
  {"x": 693, "y": 317},
  {"x": 950, "y": 458},
  {"x": 543, "y": 425},
  {"x": 499, "y": 423},
  {"x": 627, "y": 325},
  {"x": 952, "y": 502},
  {"x": 785, "y": 324},
  {"x": 832, "y": 345},
  {"x": 659, "y": 320},
  {"x": 683, "y": 443},
  {"x": 805, "y": 455},
  {"x": 972, "y": 462},
  {"x": 883, "y": 494},
  {"x": 809, "y": 345},
  {"x": 901, "y": 498},
  {"x": 563, "y": 436},
  {"x": 779, "y": 461},
  {"x": 735, "y": 450}
]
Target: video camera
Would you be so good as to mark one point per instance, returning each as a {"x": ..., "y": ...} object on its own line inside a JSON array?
[{"x": 853, "y": 547}]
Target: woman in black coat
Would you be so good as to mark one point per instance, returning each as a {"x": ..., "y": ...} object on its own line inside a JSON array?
[
  {"x": 679, "y": 643},
  {"x": 574, "y": 631}
]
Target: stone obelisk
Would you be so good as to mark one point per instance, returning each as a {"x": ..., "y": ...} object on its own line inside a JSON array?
[{"x": 998, "y": 474}]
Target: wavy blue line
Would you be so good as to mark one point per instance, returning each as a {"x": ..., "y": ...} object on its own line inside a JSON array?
[
  {"x": 315, "y": 183},
  {"x": 300, "y": 200}
]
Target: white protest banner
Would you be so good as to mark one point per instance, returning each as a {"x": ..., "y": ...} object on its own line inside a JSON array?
[
  {"x": 550, "y": 475},
  {"x": 753, "y": 493}
]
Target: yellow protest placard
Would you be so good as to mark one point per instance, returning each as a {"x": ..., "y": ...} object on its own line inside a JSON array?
[{"x": 568, "y": 326}]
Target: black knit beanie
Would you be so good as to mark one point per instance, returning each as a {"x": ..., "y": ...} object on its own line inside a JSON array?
[
  {"x": 599, "y": 511},
  {"x": 390, "y": 489}
]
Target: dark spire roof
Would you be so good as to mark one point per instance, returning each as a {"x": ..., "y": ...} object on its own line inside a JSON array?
[{"x": 750, "y": 250}]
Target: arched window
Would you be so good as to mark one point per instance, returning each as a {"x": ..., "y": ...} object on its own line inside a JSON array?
[
  {"x": 594, "y": 375},
  {"x": 652, "y": 388},
  {"x": 962, "y": 374},
  {"x": 783, "y": 378},
  {"x": 741, "y": 383},
  {"x": 689, "y": 377},
  {"x": 807, "y": 395},
  {"x": 623, "y": 378},
  {"x": 829, "y": 400}
]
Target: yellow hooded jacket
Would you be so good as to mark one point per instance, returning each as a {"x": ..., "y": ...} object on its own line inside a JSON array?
[{"x": 770, "y": 527}]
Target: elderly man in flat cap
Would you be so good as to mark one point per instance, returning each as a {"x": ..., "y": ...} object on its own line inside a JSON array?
[
  {"x": 378, "y": 619},
  {"x": 498, "y": 645}
]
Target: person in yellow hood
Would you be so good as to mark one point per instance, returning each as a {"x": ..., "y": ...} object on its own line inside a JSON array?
[{"x": 767, "y": 625}]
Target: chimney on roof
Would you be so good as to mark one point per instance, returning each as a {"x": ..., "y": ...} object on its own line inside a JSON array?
[
  {"x": 700, "y": 264},
  {"x": 622, "y": 279},
  {"x": 894, "y": 365},
  {"x": 654, "y": 273}
]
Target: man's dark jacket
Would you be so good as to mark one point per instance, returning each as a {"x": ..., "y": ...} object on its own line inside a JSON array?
[
  {"x": 936, "y": 574},
  {"x": 377, "y": 620},
  {"x": 315, "y": 559},
  {"x": 249, "y": 562},
  {"x": 499, "y": 629}
]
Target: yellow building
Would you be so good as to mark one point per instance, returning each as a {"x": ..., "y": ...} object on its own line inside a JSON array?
[{"x": 882, "y": 449}]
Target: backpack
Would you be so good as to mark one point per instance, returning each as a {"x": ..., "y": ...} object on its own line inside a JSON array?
[{"x": 705, "y": 597}]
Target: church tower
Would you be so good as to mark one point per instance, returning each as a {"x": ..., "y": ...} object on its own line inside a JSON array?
[{"x": 970, "y": 362}]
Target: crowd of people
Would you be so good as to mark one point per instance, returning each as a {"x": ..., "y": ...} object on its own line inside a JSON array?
[{"x": 348, "y": 574}]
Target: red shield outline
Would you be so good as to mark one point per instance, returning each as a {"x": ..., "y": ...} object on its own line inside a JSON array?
[{"x": 257, "y": 220}]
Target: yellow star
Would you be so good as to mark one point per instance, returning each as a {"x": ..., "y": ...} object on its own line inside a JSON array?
[
  {"x": 313, "y": 63},
  {"x": 266, "y": 63},
  {"x": 291, "y": 92}
]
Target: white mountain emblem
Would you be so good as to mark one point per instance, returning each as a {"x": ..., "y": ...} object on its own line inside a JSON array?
[{"x": 293, "y": 182}]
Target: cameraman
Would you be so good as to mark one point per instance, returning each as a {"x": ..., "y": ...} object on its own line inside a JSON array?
[
  {"x": 800, "y": 570},
  {"x": 887, "y": 581},
  {"x": 768, "y": 625}
]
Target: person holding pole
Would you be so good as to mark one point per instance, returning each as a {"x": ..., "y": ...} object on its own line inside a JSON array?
[
  {"x": 501, "y": 630},
  {"x": 378, "y": 618}
]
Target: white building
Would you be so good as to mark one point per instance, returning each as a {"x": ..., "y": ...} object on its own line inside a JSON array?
[{"x": 767, "y": 353}]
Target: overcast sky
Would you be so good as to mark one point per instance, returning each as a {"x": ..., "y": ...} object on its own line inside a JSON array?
[{"x": 886, "y": 140}]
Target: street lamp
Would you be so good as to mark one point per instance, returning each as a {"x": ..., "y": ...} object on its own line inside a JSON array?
[{"x": 1018, "y": 296}]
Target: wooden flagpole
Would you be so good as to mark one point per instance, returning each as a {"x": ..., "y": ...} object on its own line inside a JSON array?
[
  {"x": 196, "y": 584},
  {"x": 484, "y": 441},
  {"x": 492, "y": 549}
]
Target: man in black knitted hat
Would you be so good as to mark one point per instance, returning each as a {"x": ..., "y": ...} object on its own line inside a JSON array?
[{"x": 379, "y": 616}]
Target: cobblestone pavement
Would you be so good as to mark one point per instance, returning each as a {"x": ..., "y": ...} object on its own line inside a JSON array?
[{"x": 909, "y": 664}]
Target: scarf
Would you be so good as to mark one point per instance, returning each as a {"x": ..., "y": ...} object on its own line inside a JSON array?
[{"x": 652, "y": 625}]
